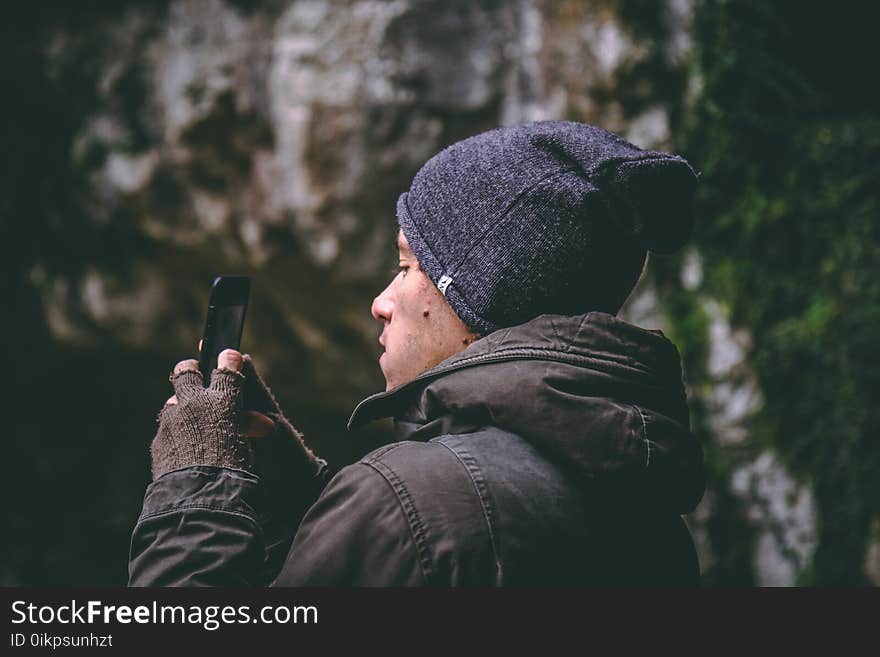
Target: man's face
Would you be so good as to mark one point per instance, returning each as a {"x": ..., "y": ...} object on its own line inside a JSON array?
[{"x": 419, "y": 327}]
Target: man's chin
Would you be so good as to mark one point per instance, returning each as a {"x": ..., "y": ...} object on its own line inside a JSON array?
[{"x": 388, "y": 382}]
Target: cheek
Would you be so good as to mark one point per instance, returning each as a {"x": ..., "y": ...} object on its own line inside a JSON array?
[
  {"x": 415, "y": 298},
  {"x": 417, "y": 311}
]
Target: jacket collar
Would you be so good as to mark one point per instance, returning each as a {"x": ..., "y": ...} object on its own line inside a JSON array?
[
  {"x": 601, "y": 396},
  {"x": 596, "y": 341}
]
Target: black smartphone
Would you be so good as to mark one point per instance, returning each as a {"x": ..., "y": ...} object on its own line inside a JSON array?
[{"x": 225, "y": 321}]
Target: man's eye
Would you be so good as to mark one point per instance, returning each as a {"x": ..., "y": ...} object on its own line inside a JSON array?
[{"x": 400, "y": 268}]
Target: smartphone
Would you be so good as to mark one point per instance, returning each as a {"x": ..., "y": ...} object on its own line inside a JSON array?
[{"x": 225, "y": 320}]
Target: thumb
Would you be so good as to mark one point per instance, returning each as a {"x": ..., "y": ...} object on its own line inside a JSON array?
[{"x": 256, "y": 425}]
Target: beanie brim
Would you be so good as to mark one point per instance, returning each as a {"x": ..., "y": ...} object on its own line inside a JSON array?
[{"x": 436, "y": 270}]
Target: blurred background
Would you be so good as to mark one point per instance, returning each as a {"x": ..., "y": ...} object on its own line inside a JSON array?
[{"x": 147, "y": 146}]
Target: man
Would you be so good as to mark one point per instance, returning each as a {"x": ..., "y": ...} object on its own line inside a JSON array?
[{"x": 542, "y": 440}]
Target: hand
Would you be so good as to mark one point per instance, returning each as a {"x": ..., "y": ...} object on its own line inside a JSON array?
[
  {"x": 253, "y": 423},
  {"x": 203, "y": 426},
  {"x": 282, "y": 458},
  {"x": 278, "y": 453}
]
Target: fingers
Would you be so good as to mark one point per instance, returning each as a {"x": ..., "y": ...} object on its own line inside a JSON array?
[
  {"x": 228, "y": 377},
  {"x": 188, "y": 364},
  {"x": 230, "y": 359},
  {"x": 186, "y": 379},
  {"x": 256, "y": 425}
]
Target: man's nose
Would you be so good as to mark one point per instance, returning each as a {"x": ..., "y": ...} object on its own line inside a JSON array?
[{"x": 382, "y": 307}]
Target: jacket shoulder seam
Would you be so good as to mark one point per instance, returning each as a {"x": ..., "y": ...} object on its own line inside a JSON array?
[
  {"x": 469, "y": 463},
  {"x": 380, "y": 452},
  {"x": 407, "y": 504}
]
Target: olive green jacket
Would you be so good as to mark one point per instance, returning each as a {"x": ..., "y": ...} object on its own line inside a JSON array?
[{"x": 557, "y": 452}]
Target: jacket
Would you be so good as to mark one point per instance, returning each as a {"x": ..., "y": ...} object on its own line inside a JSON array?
[{"x": 557, "y": 452}]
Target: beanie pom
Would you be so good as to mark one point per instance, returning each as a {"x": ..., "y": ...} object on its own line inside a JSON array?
[{"x": 653, "y": 199}]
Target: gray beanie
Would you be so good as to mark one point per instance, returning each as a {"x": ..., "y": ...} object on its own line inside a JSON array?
[{"x": 550, "y": 217}]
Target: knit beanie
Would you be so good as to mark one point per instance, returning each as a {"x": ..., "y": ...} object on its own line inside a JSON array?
[{"x": 549, "y": 217}]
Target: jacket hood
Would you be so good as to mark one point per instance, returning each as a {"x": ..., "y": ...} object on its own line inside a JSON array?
[{"x": 601, "y": 397}]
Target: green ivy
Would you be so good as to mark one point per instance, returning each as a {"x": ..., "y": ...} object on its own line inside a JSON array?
[{"x": 788, "y": 144}]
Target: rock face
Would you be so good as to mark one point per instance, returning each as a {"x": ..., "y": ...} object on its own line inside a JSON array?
[
  {"x": 273, "y": 138},
  {"x": 784, "y": 512}
]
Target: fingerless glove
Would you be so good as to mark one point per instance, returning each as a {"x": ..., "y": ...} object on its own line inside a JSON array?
[{"x": 203, "y": 428}]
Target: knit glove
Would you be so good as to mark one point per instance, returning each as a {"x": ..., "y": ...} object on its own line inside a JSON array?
[
  {"x": 282, "y": 459},
  {"x": 203, "y": 427}
]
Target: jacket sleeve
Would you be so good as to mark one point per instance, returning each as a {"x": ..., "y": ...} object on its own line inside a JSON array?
[
  {"x": 357, "y": 534},
  {"x": 211, "y": 526}
]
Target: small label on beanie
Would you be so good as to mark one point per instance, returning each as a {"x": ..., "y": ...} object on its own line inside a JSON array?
[{"x": 443, "y": 284}]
